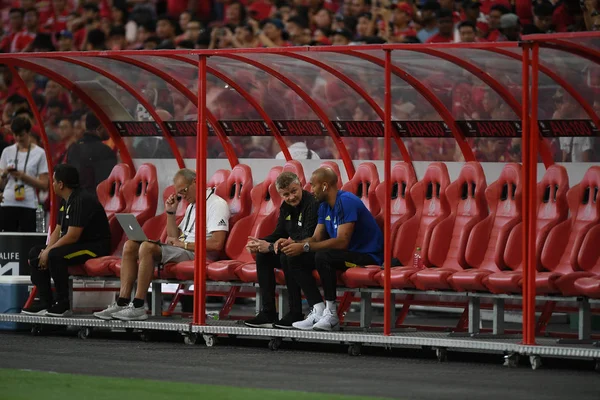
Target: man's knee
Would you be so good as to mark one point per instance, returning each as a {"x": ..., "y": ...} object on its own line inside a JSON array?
[
  {"x": 149, "y": 249},
  {"x": 131, "y": 248}
]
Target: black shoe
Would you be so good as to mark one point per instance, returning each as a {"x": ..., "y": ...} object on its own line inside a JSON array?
[
  {"x": 37, "y": 308},
  {"x": 59, "y": 309},
  {"x": 287, "y": 320},
  {"x": 262, "y": 320}
]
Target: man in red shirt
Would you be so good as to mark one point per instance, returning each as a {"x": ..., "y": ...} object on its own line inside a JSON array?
[
  {"x": 58, "y": 19},
  {"x": 496, "y": 12},
  {"x": 446, "y": 28},
  {"x": 403, "y": 14},
  {"x": 22, "y": 39},
  {"x": 15, "y": 26},
  {"x": 472, "y": 13}
]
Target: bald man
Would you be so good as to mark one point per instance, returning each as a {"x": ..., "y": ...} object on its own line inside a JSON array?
[{"x": 346, "y": 236}]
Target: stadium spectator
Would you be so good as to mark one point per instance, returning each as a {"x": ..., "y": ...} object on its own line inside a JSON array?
[
  {"x": 80, "y": 234},
  {"x": 93, "y": 159},
  {"x": 496, "y": 13},
  {"x": 180, "y": 246},
  {"x": 401, "y": 29},
  {"x": 341, "y": 37},
  {"x": 346, "y": 236},
  {"x": 298, "y": 149},
  {"x": 445, "y": 27},
  {"x": 116, "y": 38},
  {"x": 296, "y": 222},
  {"x": 23, "y": 39},
  {"x": 467, "y": 31},
  {"x": 59, "y": 15},
  {"x": 510, "y": 28},
  {"x": 96, "y": 40},
  {"x": 166, "y": 29},
  {"x": 16, "y": 16},
  {"x": 472, "y": 13},
  {"x": 428, "y": 22},
  {"x": 64, "y": 41},
  {"x": 542, "y": 19},
  {"x": 358, "y": 7},
  {"x": 23, "y": 171}
]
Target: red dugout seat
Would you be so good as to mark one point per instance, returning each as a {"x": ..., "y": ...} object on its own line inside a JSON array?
[
  {"x": 295, "y": 166},
  {"x": 261, "y": 222},
  {"x": 487, "y": 241},
  {"x": 589, "y": 262},
  {"x": 141, "y": 194},
  {"x": 363, "y": 184},
  {"x": 109, "y": 191},
  {"x": 218, "y": 182},
  {"x": 564, "y": 249},
  {"x": 466, "y": 196},
  {"x": 402, "y": 208},
  {"x": 237, "y": 193},
  {"x": 552, "y": 209},
  {"x": 431, "y": 206}
]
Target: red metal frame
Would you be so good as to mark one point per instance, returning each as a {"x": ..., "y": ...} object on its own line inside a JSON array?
[
  {"x": 561, "y": 82},
  {"x": 360, "y": 91},
  {"x": 245, "y": 95},
  {"x": 229, "y": 150},
  {"x": 572, "y": 48},
  {"x": 201, "y": 144},
  {"x": 257, "y": 107},
  {"x": 387, "y": 217},
  {"x": 69, "y": 85},
  {"x": 345, "y": 156},
  {"x": 138, "y": 96},
  {"x": 429, "y": 96},
  {"x": 512, "y": 102},
  {"x": 40, "y": 123}
]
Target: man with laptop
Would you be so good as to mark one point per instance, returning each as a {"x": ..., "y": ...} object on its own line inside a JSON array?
[{"x": 180, "y": 246}]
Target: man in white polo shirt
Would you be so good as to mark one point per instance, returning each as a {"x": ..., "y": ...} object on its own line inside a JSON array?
[{"x": 180, "y": 246}]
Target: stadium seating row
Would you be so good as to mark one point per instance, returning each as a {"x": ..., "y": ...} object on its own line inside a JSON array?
[{"x": 470, "y": 234}]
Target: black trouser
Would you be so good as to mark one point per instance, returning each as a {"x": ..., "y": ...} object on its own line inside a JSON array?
[
  {"x": 327, "y": 262},
  {"x": 296, "y": 270},
  {"x": 17, "y": 219},
  {"x": 59, "y": 259}
]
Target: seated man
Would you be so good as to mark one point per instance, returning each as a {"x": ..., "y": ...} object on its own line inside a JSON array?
[
  {"x": 346, "y": 236},
  {"x": 297, "y": 222},
  {"x": 180, "y": 247},
  {"x": 82, "y": 233}
]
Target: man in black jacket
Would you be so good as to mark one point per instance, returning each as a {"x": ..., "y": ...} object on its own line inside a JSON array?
[
  {"x": 297, "y": 221},
  {"x": 81, "y": 233},
  {"x": 93, "y": 159}
]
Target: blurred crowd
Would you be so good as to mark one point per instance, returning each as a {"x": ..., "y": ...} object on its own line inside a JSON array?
[{"x": 71, "y": 25}]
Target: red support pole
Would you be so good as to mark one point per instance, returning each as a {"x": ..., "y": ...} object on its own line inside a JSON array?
[
  {"x": 201, "y": 143},
  {"x": 526, "y": 140},
  {"x": 40, "y": 122},
  {"x": 387, "y": 218},
  {"x": 530, "y": 196}
]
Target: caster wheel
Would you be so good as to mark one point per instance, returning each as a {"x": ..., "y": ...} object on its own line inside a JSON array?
[
  {"x": 210, "y": 340},
  {"x": 354, "y": 349},
  {"x": 190, "y": 339},
  {"x": 146, "y": 336},
  {"x": 84, "y": 333},
  {"x": 275, "y": 343},
  {"x": 36, "y": 330},
  {"x": 442, "y": 354},
  {"x": 536, "y": 362},
  {"x": 511, "y": 360}
]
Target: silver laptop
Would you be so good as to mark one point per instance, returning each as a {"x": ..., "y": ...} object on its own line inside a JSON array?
[{"x": 132, "y": 228}]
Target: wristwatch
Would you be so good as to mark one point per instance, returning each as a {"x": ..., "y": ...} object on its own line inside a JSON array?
[
  {"x": 306, "y": 247},
  {"x": 185, "y": 245},
  {"x": 271, "y": 247}
]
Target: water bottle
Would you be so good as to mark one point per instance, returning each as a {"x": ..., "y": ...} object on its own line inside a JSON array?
[
  {"x": 214, "y": 315},
  {"x": 417, "y": 260},
  {"x": 40, "y": 219}
]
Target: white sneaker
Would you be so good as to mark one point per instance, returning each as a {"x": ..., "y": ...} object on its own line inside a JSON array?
[
  {"x": 130, "y": 313},
  {"x": 107, "y": 314},
  {"x": 307, "y": 324},
  {"x": 328, "y": 322}
]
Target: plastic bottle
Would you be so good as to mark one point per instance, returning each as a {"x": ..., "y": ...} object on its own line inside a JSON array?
[
  {"x": 417, "y": 260},
  {"x": 40, "y": 219}
]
